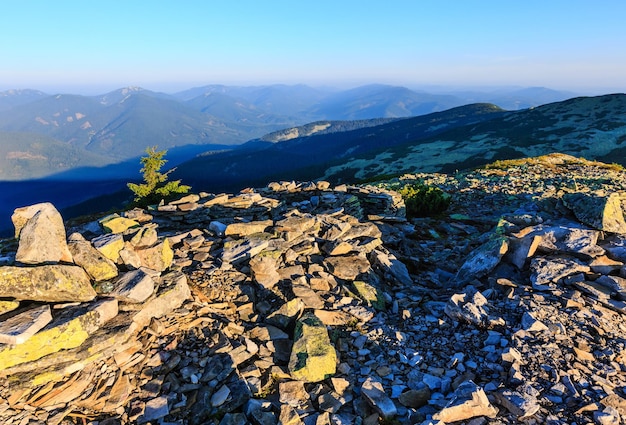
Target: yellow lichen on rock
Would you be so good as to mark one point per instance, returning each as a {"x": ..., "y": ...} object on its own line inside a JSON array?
[
  {"x": 313, "y": 357},
  {"x": 67, "y": 331}
]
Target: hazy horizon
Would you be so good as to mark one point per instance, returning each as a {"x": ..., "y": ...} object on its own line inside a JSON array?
[
  {"x": 173, "y": 88},
  {"x": 86, "y": 48}
]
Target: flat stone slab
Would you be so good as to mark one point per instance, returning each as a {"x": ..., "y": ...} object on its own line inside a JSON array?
[
  {"x": 68, "y": 330},
  {"x": 313, "y": 357},
  {"x": 22, "y": 326},
  {"x": 49, "y": 283},
  {"x": 347, "y": 267}
]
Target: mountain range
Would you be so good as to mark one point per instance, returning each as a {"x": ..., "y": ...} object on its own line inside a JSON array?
[
  {"x": 226, "y": 138},
  {"x": 95, "y": 131},
  {"x": 456, "y": 139}
]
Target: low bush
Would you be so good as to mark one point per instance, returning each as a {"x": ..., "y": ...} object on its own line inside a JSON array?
[{"x": 424, "y": 201}]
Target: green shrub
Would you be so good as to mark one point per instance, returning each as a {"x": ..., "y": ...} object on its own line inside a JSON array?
[
  {"x": 424, "y": 201},
  {"x": 156, "y": 186}
]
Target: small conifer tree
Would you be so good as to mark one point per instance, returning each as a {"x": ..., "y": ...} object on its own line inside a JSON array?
[{"x": 155, "y": 186}]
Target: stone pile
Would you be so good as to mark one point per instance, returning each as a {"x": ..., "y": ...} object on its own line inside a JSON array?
[{"x": 291, "y": 309}]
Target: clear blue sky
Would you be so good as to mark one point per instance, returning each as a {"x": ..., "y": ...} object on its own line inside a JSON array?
[{"x": 94, "y": 46}]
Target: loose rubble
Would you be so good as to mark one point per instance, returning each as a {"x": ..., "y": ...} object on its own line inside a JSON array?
[{"x": 303, "y": 303}]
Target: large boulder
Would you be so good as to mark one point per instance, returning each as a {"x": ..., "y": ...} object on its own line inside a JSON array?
[
  {"x": 600, "y": 212},
  {"x": 50, "y": 283},
  {"x": 41, "y": 234}
]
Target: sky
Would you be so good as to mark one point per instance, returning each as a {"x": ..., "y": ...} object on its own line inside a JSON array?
[{"x": 97, "y": 46}]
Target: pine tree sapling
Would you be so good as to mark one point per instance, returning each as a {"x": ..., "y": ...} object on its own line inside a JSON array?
[{"x": 155, "y": 186}]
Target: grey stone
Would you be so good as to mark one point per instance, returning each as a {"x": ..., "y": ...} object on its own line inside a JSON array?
[
  {"x": 347, "y": 267},
  {"x": 134, "y": 286},
  {"x": 601, "y": 212},
  {"x": 471, "y": 307},
  {"x": 41, "y": 234},
  {"x": 469, "y": 401},
  {"x": 389, "y": 263},
  {"x": 482, "y": 260},
  {"x": 521, "y": 405},
  {"x": 313, "y": 357},
  {"x": 375, "y": 395},
  {"x": 546, "y": 271},
  {"x": 17, "y": 329}
]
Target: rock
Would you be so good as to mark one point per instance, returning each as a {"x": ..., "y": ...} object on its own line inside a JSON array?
[
  {"x": 469, "y": 401},
  {"x": 609, "y": 416},
  {"x": 6, "y": 306},
  {"x": 390, "y": 264},
  {"x": 267, "y": 333},
  {"x": 155, "y": 409},
  {"x": 264, "y": 270},
  {"x": 521, "y": 405},
  {"x": 41, "y": 233},
  {"x": 471, "y": 307},
  {"x": 287, "y": 314},
  {"x": 97, "y": 266},
  {"x": 294, "y": 226},
  {"x": 246, "y": 229},
  {"x": 68, "y": 330},
  {"x": 288, "y": 415},
  {"x": 530, "y": 324},
  {"x": 522, "y": 249},
  {"x": 415, "y": 398},
  {"x": 109, "y": 245},
  {"x": 17, "y": 329},
  {"x": 220, "y": 396},
  {"x": 313, "y": 358},
  {"x": 116, "y": 224},
  {"x": 293, "y": 393},
  {"x": 374, "y": 394},
  {"x": 347, "y": 267},
  {"x": 129, "y": 257},
  {"x": 600, "y": 212},
  {"x": 545, "y": 271},
  {"x": 604, "y": 265},
  {"x": 172, "y": 293},
  {"x": 482, "y": 260},
  {"x": 337, "y": 248},
  {"x": 239, "y": 250},
  {"x": 308, "y": 296},
  {"x": 46, "y": 283},
  {"x": 134, "y": 287},
  {"x": 371, "y": 295},
  {"x": 158, "y": 257},
  {"x": 145, "y": 237}
]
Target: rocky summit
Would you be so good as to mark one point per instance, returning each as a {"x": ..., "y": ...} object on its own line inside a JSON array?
[{"x": 303, "y": 303}]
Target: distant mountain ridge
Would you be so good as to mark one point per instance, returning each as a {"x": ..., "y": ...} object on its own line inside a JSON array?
[
  {"x": 339, "y": 151},
  {"x": 117, "y": 126},
  {"x": 459, "y": 138}
]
